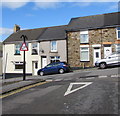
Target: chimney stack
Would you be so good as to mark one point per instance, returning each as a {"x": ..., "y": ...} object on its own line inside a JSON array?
[{"x": 16, "y": 28}]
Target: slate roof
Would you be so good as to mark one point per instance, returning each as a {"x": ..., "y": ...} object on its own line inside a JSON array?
[
  {"x": 59, "y": 32},
  {"x": 32, "y": 34},
  {"x": 94, "y": 21},
  {"x": 39, "y": 34},
  {"x": 54, "y": 33}
]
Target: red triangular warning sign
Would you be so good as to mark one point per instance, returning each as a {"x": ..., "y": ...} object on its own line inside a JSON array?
[{"x": 24, "y": 47}]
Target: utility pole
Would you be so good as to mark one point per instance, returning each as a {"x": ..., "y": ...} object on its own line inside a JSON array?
[{"x": 24, "y": 48}]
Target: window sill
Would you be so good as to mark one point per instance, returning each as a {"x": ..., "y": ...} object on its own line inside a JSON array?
[
  {"x": 17, "y": 54},
  {"x": 34, "y": 54},
  {"x": 85, "y": 43},
  {"x": 53, "y": 51},
  {"x": 84, "y": 61}
]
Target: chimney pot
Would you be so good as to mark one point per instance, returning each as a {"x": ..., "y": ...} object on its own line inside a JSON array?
[{"x": 16, "y": 28}]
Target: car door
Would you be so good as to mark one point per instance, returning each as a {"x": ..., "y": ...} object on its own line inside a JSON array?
[
  {"x": 48, "y": 69},
  {"x": 112, "y": 59},
  {"x": 117, "y": 59},
  {"x": 54, "y": 68}
]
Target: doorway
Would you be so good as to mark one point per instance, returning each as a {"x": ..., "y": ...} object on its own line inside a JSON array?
[
  {"x": 43, "y": 61},
  {"x": 35, "y": 67},
  {"x": 97, "y": 55}
]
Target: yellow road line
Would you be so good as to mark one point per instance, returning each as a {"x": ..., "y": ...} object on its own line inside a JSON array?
[{"x": 22, "y": 89}]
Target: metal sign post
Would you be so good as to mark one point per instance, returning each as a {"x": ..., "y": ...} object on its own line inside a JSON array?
[{"x": 24, "y": 48}]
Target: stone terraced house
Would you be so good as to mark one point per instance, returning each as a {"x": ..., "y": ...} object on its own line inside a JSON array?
[
  {"x": 80, "y": 43},
  {"x": 91, "y": 38}
]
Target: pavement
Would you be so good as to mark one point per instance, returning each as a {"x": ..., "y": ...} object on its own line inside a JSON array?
[{"x": 11, "y": 84}]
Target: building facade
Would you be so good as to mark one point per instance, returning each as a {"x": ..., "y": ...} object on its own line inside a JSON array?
[
  {"x": 46, "y": 47},
  {"x": 92, "y": 38},
  {"x": 80, "y": 43}
]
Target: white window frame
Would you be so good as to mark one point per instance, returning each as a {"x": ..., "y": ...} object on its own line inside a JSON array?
[
  {"x": 55, "y": 58},
  {"x": 117, "y": 33},
  {"x": 18, "y": 63},
  {"x": 34, "y": 48},
  {"x": 17, "y": 48},
  {"x": 85, "y": 51},
  {"x": 84, "y": 33},
  {"x": 51, "y": 46}
]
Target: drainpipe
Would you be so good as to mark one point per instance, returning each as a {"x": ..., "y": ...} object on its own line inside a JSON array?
[
  {"x": 5, "y": 66},
  {"x": 66, "y": 45},
  {"x": 101, "y": 44}
]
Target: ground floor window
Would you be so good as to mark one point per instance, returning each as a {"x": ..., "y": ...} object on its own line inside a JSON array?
[
  {"x": 18, "y": 65},
  {"x": 84, "y": 54},
  {"x": 55, "y": 59}
]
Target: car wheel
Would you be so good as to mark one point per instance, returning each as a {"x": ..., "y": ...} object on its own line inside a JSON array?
[
  {"x": 103, "y": 65},
  {"x": 61, "y": 71},
  {"x": 41, "y": 73}
]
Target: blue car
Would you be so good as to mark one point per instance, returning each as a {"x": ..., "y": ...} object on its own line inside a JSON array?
[{"x": 52, "y": 68}]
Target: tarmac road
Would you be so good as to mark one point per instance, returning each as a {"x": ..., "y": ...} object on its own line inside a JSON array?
[{"x": 69, "y": 94}]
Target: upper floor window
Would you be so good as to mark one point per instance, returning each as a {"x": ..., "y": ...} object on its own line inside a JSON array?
[
  {"x": 34, "y": 48},
  {"x": 84, "y": 37},
  {"x": 17, "y": 49},
  {"x": 118, "y": 33},
  {"x": 53, "y": 46}
]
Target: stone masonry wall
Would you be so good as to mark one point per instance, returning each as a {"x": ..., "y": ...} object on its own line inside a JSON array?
[
  {"x": 97, "y": 36},
  {"x": 73, "y": 49}
]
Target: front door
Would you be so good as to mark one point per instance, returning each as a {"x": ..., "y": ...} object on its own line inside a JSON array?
[
  {"x": 43, "y": 61},
  {"x": 35, "y": 67},
  {"x": 107, "y": 51},
  {"x": 97, "y": 55}
]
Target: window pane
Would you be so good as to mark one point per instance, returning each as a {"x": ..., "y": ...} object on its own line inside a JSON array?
[
  {"x": 17, "y": 48},
  {"x": 118, "y": 34},
  {"x": 55, "y": 59},
  {"x": 86, "y": 49},
  {"x": 18, "y": 66},
  {"x": 118, "y": 28},
  {"x": 117, "y": 48},
  {"x": 36, "y": 65},
  {"x": 53, "y": 45},
  {"x": 34, "y": 45},
  {"x": 97, "y": 54},
  {"x": 34, "y": 48},
  {"x": 84, "y": 38},
  {"x": 84, "y": 56}
]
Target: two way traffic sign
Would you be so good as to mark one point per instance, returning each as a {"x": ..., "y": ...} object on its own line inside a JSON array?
[{"x": 24, "y": 47}]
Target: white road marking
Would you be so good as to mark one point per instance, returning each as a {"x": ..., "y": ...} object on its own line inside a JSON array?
[
  {"x": 102, "y": 76},
  {"x": 90, "y": 78},
  {"x": 58, "y": 80},
  {"x": 115, "y": 75},
  {"x": 79, "y": 83}
]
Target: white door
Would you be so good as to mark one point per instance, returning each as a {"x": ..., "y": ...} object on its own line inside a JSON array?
[
  {"x": 97, "y": 55},
  {"x": 107, "y": 51},
  {"x": 35, "y": 67},
  {"x": 44, "y": 61}
]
